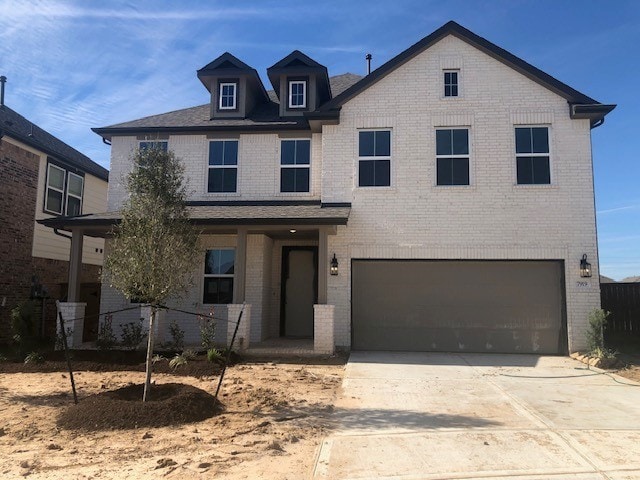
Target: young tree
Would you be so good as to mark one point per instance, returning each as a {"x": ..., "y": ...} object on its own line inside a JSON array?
[{"x": 154, "y": 249}]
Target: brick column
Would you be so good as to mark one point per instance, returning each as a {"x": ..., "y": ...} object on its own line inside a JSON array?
[
  {"x": 323, "y": 329},
  {"x": 244, "y": 331},
  {"x": 73, "y": 316}
]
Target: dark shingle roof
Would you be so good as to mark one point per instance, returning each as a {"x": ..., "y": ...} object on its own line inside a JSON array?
[
  {"x": 265, "y": 116},
  {"x": 16, "y": 126}
]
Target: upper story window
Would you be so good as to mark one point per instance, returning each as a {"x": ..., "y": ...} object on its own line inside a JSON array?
[
  {"x": 297, "y": 94},
  {"x": 532, "y": 155},
  {"x": 223, "y": 166},
  {"x": 451, "y": 83},
  {"x": 64, "y": 191},
  {"x": 218, "y": 276},
  {"x": 374, "y": 162},
  {"x": 228, "y": 96},
  {"x": 295, "y": 157},
  {"x": 452, "y": 156},
  {"x": 160, "y": 145}
]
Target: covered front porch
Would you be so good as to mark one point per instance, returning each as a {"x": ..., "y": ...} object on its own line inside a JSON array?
[{"x": 270, "y": 259}]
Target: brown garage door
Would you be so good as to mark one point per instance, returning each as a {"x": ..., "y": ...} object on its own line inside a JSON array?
[{"x": 448, "y": 306}]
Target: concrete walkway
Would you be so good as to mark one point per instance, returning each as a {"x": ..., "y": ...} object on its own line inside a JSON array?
[{"x": 454, "y": 416}]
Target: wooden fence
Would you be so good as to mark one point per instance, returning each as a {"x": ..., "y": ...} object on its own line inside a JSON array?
[{"x": 623, "y": 301}]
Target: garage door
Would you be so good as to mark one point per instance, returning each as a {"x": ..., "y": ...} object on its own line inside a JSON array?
[{"x": 447, "y": 306}]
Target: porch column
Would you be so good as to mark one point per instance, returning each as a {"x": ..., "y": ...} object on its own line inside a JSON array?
[
  {"x": 240, "y": 268},
  {"x": 323, "y": 265},
  {"x": 75, "y": 265}
]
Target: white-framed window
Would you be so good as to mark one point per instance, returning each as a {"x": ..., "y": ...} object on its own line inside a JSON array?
[
  {"x": 154, "y": 144},
  {"x": 374, "y": 158},
  {"x": 295, "y": 160},
  {"x": 451, "y": 86},
  {"x": 227, "y": 96},
  {"x": 452, "y": 156},
  {"x": 223, "y": 166},
  {"x": 218, "y": 276},
  {"x": 532, "y": 155},
  {"x": 297, "y": 94},
  {"x": 75, "y": 187},
  {"x": 63, "y": 192}
]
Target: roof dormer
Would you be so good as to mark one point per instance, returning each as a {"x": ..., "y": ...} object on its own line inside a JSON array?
[
  {"x": 235, "y": 87},
  {"x": 301, "y": 84}
]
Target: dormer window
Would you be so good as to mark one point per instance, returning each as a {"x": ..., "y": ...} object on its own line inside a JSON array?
[
  {"x": 228, "y": 95},
  {"x": 297, "y": 94}
]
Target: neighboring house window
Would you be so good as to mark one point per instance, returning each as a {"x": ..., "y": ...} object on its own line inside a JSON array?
[
  {"x": 450, "y": 83},
  {"x": 228, "y": 96},
  {"x": 63, "y": 192},
  {"x": 75, "y": 184},
  {"x": 160, "y": 145},
  {"x": 295, "y": 156},
  {"x": 218, "y": 276},
  {"x": 374, "y": 162},
  {"x": 297, "y": 94},
  {"x": 452, "y": 156},
  {"x": 223, "y": 166},
  {"x": 532, "y": 155}
]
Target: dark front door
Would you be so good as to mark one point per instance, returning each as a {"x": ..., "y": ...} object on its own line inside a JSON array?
[{"x": 299, "y": 291}]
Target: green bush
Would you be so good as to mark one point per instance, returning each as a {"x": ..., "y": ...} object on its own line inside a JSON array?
[
  {"x": 207, "y": 333},
  {"x": 133, "y": 333},
  {"x": 595, "y": 331},
  {"x": 214, "y": 355},
  {"x": 34, "y": 357},
  {"x": 106, "y": 339},
  {"x": 177, "y": 337},
  {"x": 24, "y": 327},
  {"x": 178, "y": 361}
]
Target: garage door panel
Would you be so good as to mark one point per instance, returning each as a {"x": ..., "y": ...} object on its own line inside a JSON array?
[{"x": 471, "y": 306}]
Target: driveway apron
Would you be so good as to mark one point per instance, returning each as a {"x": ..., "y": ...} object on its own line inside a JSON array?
[{"x": 460, "y": 416}]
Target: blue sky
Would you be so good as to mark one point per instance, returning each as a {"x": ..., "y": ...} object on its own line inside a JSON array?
[{"x": 76, "y": 65}]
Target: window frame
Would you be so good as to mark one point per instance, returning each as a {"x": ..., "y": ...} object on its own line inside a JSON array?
[
  {"x": 217, "y": 275},
  {"x": 546, "y": 154},
  {"x": 221, "y": 86},
  {"x": 454, "y": 156},
  {"x": 154, "y": 144},
  {"x": 455, "y": 71},
  {"x": 64, "y": 200},
  {"x": 223, "y": 166},
  {"x": 304, "y": 94},
  {"x": 388, "y": 158},
  {"x": 295, "y": 165}
]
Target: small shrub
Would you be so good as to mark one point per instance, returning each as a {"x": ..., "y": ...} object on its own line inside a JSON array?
[
  {"x": 207, "y": 333},
  {"x": 106, "y": 339},
  {"x": 595, "y": 331},
  {"x": 177, "y": 337},
  {"x": 178, "y": 360},
  {"x": 133, "y": 333},
  {"x": 157, "y": 358},
  {"x": 34, "y": 357},
  {"x": 189, "y": 354},
  {"x": 23, "y": 326},
  {"x": 214, "y": 355}
]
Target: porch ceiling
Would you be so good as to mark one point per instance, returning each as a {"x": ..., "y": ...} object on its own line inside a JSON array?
[{"x": 216, "y": 215}]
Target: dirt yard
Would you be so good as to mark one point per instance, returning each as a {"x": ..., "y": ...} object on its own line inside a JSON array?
[{"x": 273, "y": 419}]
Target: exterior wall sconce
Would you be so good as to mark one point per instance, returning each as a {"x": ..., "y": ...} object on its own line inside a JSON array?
[
  {"x": 585, "y": 267},
  {"x": 333, "y": 265}
]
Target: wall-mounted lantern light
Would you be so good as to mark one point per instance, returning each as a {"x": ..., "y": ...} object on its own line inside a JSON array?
[
  {"x": 585, "y": 267},
  {"x": 333, "y": 265}
]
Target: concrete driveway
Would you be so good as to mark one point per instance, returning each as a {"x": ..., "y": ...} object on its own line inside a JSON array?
[{"x": 446, "y": 416}]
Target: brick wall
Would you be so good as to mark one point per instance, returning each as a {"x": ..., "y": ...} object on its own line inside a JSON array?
[{"x": 19, "y": 185}]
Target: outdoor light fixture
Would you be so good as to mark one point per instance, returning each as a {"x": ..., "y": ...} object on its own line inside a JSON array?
[
  {"x": 585, "y": 267},
  {"x": 334, "y": 265},
  {"x": 293, "y": 230}
]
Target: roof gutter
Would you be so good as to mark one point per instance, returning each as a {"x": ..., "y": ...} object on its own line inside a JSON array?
[{"x": 595, "y": 112}]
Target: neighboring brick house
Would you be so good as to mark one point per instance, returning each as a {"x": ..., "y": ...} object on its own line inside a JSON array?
[
  {"x": 42, "y": 177},
  {"x": 443, "y": 202}
]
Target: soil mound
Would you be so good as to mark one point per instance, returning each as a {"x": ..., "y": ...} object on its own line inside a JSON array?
[{"x": 123, "y": 409}]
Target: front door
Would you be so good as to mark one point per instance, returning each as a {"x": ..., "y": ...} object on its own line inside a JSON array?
[{"x": 299, "y": 291}]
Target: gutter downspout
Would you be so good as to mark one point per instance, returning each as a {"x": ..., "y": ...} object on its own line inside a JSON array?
[{"x": 55, "y": 230}]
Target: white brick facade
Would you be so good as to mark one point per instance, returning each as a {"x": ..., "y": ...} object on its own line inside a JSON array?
[{"x": 493, "y": 218}]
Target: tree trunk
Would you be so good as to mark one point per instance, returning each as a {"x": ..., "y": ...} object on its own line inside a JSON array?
[{"x": 147, "y": 382}]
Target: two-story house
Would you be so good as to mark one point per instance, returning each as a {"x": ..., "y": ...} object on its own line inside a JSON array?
[
  {"x": 42, "y": 177},
  {"x": 443, "y": 202}
]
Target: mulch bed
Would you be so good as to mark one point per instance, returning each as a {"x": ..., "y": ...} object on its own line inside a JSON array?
[{"x": 123, "y": 409}]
